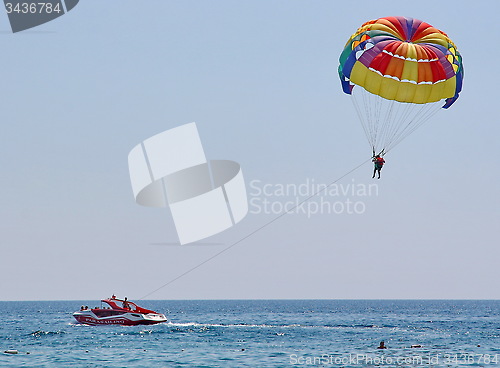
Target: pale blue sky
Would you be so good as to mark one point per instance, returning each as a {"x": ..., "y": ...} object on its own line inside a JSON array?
[{"x": 260, "y": 79}]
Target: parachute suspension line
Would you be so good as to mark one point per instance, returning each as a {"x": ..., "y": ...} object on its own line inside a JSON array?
[
  {"x": 394, "y": 118},
  {"x": 387, "y": 122},
  {"x": 406, "y": 126},
  {"x": 424, "y": 115},
  {"x": 285, "y": 212},
  {"x": 360, "y": 116},
  {"x": 402, "y": 113},
  {"x": 378, "y": 114},
  {"x": 369, "y": 117},
  {"x": 364, "y": 122},
  {"x": 374, "y": 116},
  {"x": 372, "y": 103}
]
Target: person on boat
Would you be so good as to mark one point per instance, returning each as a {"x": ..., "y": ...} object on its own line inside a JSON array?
[
  {"x": 379, "y": 162},
  {"x": 125, "y": 304}
]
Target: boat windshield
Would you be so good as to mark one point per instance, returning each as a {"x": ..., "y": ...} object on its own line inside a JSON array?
[{"x": 120, "y": 304}]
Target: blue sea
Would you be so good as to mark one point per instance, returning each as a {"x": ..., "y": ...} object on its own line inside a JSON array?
[{"x": 259, "y": 333}]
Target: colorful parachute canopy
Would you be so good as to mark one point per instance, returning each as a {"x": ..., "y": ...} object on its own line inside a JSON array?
[
  {"x": 399, "y": 71},
  {"x": 402, "y": 59}
]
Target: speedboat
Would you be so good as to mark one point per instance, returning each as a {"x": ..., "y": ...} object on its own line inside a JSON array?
[{"x": 128, "y": 314}]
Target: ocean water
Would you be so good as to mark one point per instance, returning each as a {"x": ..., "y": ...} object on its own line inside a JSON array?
[{"x": 261, "y": 333}]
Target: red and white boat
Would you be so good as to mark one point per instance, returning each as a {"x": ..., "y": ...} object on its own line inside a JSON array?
[{"x": 128, "y": 314}]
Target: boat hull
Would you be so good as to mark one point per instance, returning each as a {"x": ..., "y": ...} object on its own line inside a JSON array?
[{"x": 126, "y": 319}]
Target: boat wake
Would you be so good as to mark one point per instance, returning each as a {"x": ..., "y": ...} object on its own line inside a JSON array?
[{"x": 244, "y": 325}]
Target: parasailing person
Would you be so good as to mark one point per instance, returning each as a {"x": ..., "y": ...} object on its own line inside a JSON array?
[
  {"x": 399, "y": 72},
  {"x": 378, "y": 162}
]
